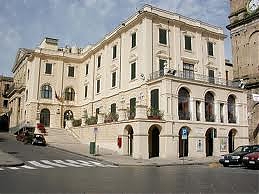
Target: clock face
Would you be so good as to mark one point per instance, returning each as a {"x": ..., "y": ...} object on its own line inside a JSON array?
[{"x": 253, "y": 5}]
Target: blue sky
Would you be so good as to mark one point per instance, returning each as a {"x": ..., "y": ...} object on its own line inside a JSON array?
[{"x": 24, "y": 23}]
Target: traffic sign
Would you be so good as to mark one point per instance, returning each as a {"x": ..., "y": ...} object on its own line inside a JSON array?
[{"x": 184, "y": 133}]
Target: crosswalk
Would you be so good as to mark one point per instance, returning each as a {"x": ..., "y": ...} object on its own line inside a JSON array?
[{"x": 48, "y": 164}]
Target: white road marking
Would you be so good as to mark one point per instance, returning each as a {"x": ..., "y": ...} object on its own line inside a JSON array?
[
  {"x": 1, "y": 169},
  {"x": 96, "y": 163},
  {"x": 66, "y": 163},
  {"x": 13, "y": 168},
  {"x": 80, "y": 163},
  {"x": 40, "y": 165},
  {"x": 28, "y": 167},
  {"x": 52, "y": 163}
]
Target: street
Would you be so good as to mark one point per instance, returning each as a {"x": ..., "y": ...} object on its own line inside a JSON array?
[{"x": 50, "y": 170}]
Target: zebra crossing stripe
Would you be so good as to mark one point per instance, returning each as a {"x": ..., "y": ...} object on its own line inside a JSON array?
[
  {"x": 13, "y": 168},
  {"x": 52, "y": 163},
  {"x": 95, "y": 163},
  {"x": 28, "y": 167},
  {"x": 1, "y": 169},
  {"x": 39, "y": 164},
  {"x": 66, "y": 163},
  {"x": 80, "y": 163}
]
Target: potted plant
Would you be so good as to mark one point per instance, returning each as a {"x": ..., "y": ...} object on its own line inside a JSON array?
[{"x": 154, "y": 113}]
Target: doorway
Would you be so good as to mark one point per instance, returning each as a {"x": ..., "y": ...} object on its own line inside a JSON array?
[
  {"x": 153, "y": 142},
  {"x": 209, "y": 141},
  {"x": 68, "y": 115},
  {"x": 183, "y": 143},
  {"x": 45, "y": 117},
  {"x": 231, "y": 140}
]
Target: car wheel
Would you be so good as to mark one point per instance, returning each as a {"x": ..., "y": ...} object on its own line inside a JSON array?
[{"x": 225, "y": 165}]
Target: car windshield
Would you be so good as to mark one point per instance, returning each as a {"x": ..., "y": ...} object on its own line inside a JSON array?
[
  {"x": 257, "y": 150},
  {"x": 242, "y": 149}
]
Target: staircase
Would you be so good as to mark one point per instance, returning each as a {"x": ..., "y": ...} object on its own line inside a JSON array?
[{"x": 60, "y": 136}]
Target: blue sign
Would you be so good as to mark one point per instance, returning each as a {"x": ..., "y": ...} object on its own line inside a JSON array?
[{"x": 184, "y": 133}]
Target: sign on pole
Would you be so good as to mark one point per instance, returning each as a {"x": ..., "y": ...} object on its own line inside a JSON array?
[
  {"x": 184, "y": 133},
  {"x": 256, "y": 97}
]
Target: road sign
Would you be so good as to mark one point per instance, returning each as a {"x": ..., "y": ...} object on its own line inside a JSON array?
[{"x": 184, "y": 133}]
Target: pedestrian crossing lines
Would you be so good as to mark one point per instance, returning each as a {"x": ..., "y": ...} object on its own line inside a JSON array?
[{"x": 49, "y": 164}]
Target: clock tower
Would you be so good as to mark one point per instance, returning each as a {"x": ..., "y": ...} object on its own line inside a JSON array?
[{"x": 244, "y": 30}]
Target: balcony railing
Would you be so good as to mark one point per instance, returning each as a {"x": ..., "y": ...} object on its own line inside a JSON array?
[
  {"x": 194, "y": 77},
  {"x": 232, "y": 119},
  {"x": 184, "y": 115},
  {"x": 13, "y": 88},
  {"x": 210, "y": 117}
]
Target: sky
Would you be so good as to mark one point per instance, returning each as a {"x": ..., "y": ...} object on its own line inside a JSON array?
[{"x": 25, "y": 23}]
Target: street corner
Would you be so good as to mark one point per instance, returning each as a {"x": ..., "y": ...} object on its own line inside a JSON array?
[{"x": 7, "y": 160}]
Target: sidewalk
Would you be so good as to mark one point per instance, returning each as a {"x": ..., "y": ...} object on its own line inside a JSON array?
[
  {"x": 62, "y": 137},
  {"x": 9, "y": 160}
]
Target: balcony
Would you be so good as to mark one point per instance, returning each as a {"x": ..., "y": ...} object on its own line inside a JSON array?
[
  {"x": 184, "y": 115},
  {"x": 195, "y": 77},
  {"x": 232, "y": 118},
  {"x": 13, "y": 88}
]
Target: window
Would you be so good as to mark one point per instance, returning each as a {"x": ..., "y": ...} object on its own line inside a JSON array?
[
  {"x": 188, "y": 71},
  {"x": 183, "y": 104},
  {"x": 114, "y": 79},
  {"x": 71, "y": 71},
  {"x": 98, "y": 85},
  {"x": 69, "y": 94},
  {"x": 161, "y": 66},
  {"x": 48, "y": 69},
  {"x": 162, "y": 36},
  {"x": 5, "y": 104},
  {"x": 211, "y": 76},
  {"x": 133, "y": 70},
  {"x": 86, "y": 69},
  {"x": 188, "y": 43},
  {"x": 46, "y": 92},
  {"x": 231, "y": 109},
  {"x": 99, "y": 61},
  {"x": 28, "y": 74},
  {"x": 113, "y": 108},
  {"x": 221, "y": 107},
  {"x": 86, "y": 88},
  {"x": 198, "y": 113},
  {"x": 6, "y": 87},
  {"x": 209, "y": 107},
  {"x": 114, "y": 52},
  {"x": 210, "y": 48},
  {"x": 132, "y": 112},
  {"x": 97, "y": 111},
  {"x": 26, "y": 95},
  {"x": 155, "y": 99},
  {"x": 133, "y": 40}
]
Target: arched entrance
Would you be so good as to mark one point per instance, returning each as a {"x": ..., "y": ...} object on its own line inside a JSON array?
[
  {"x": 45, "y": 117},
  {"x": 209, "y": 136},
  {"x": 68, "y": 115},
  {"x": 153, "y": 141},
  {"x": 4, "y": 123},
  {"x": 183, "y": 143},
  {"x": 129, "y": 135},
  {"x": 231, "y": 140}
]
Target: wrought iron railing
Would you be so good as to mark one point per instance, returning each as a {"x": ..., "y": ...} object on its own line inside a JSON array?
[
  {"x": 192, "y": 76},
  {"x": 210, "y": 117},
  {"x": 14, "y": 87},
  {"x": 232, "y": 119},
  {"x": 184, "y": 115}
]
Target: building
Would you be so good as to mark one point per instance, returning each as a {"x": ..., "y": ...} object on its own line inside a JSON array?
[
  {"x": 157, "y": 75},
  {"x": 5, "y": 83},
  {"x": 244, "y": 28}
]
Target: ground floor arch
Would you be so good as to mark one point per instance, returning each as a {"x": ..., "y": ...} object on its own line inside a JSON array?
[
  {"x": 68, "y": 115},
  {"x": 209, "y": 139},
  {"x": 45, "y": 117},
  {"x": 128, "y": 132},
  {"x": 231, "y": 140},
  {"x": 4, "y": 122},
  {"x": 153, "y": 141},
  {"x": 183, "y": 143}
]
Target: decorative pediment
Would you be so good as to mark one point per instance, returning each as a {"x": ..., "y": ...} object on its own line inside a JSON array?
[{"x": 162, "y": 54}]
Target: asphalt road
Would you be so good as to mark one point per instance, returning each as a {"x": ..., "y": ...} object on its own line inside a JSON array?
[{"x": 108, "y": 179}]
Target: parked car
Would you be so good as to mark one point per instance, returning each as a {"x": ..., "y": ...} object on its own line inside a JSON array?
[
  {"x": 251, "y": 160},
  {"x": 236, "y": 157},
  {"x": 38, "y": 139}
]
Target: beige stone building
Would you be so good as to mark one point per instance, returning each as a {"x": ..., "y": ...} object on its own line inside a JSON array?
[
  {"x": 157, "y": 75},
  {"x": 5, "y": 83},
  {"x": 244, "y": 27}
]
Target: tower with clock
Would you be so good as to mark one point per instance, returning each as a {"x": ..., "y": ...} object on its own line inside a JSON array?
[{"x": 244, "y": 30}]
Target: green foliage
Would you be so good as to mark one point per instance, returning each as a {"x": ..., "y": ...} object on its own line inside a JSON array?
[
  {"x": 155, "y": 113},
  {"x": 111, "y": 117},
  {"x": 77, "y": 122}
]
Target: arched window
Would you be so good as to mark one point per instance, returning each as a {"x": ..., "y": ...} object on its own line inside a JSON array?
[
  {"x": 231, "y": 109},
  {"x": 183, "y": 104},
  {"x": 69, "y": 94},
  {"x": 209, "y": 107},
  {"x": 46, "y": 91}
]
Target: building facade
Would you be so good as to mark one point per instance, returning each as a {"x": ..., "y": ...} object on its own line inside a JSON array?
[
  {"x": 244, "y": 28},
  {"x": 157, "y": 75},
  {"x": 5, "y": 83}
]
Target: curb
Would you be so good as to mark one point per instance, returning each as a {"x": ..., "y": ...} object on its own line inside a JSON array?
[{"x": 129, "y": 165}]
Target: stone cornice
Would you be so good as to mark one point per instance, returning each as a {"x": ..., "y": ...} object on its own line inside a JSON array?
[{"x": 246, "y": 20}]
